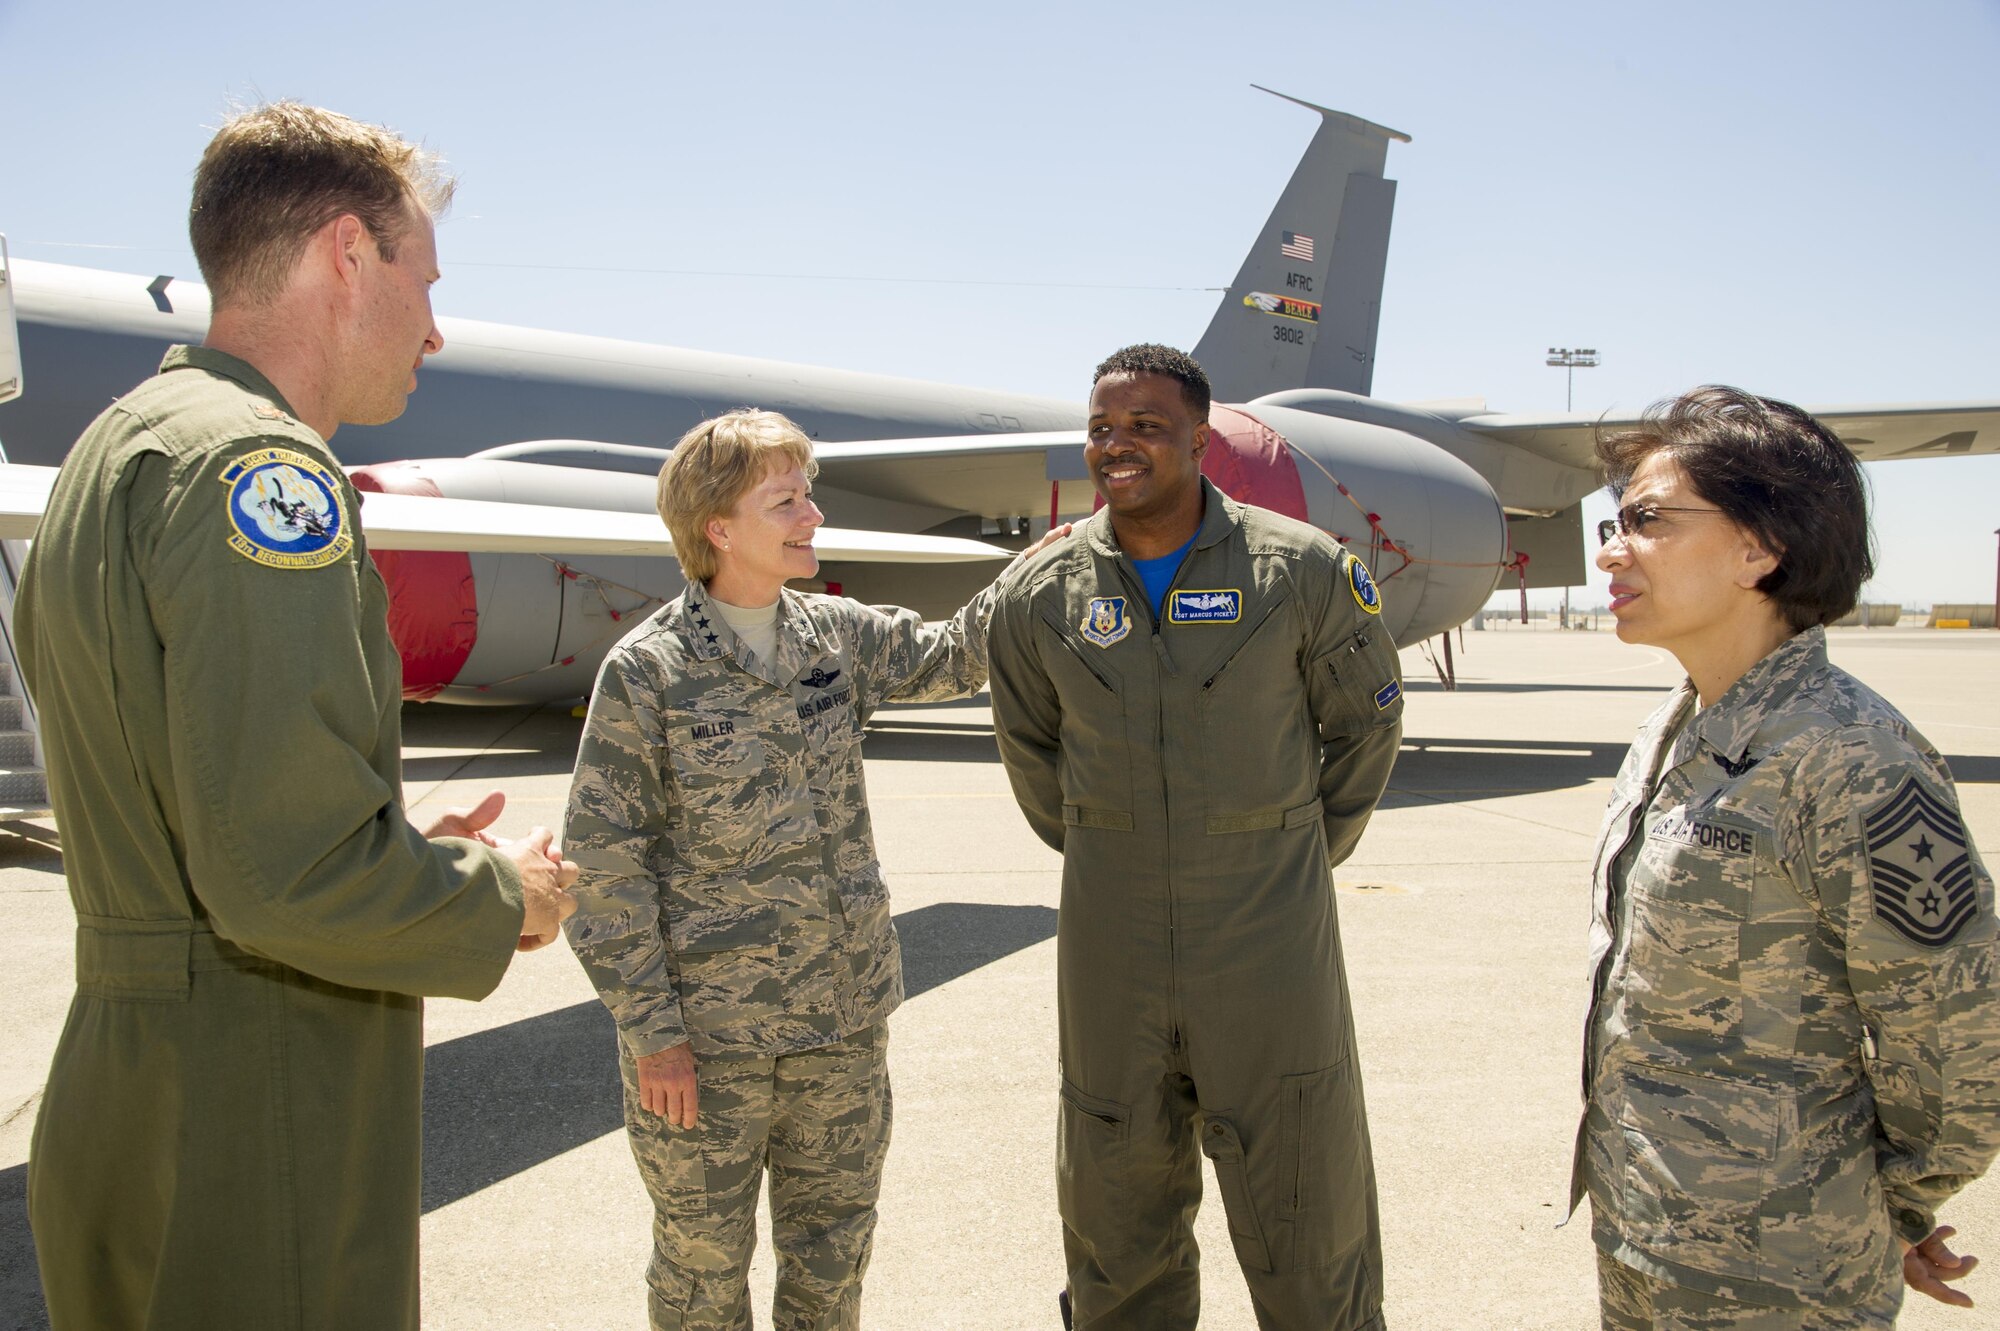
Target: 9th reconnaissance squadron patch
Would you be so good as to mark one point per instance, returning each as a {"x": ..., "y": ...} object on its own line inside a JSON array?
[
  {"x": 1919, "y": 869},
  {"x": 1363, "y": 587},
  {"x": 284, "y": 510}
]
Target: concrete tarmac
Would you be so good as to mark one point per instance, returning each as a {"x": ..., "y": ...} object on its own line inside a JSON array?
[{"x": 1463, "y": 913}]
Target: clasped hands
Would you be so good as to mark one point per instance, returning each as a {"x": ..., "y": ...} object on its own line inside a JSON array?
[
  {"x": 1927, "y": 1265},
  {"x": 545, "y": 874}
]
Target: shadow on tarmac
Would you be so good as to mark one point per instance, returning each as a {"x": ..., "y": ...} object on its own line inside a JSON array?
[
  {"x": 1477, "y": 767},
  {"x": 888, "y": 738},
  {"x": 502, "y": 1101},
  {"x": 21, "y": 1306}
]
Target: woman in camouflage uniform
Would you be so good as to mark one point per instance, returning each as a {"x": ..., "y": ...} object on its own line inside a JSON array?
[
  {"x": 1793, "y": 1050},
  {"x": 731, "y": 911}
]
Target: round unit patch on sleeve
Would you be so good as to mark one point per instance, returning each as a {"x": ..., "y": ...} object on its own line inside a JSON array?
[
  {"x": 285, "y": 511},
  {"x": 1363, "y": 586},
  {"x": 1919, "y": 869}
]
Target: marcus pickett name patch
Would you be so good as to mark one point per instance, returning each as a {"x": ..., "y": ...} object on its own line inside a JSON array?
[{"x": 1222, "y": 606}]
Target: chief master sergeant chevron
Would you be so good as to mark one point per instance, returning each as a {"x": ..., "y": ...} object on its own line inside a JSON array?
[
  {"x": 1198, "y": 705},
  {"x": 231, "y": 1129}
]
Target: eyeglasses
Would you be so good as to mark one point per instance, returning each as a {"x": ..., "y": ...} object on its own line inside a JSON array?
[{"x": 1634, "y": 519}]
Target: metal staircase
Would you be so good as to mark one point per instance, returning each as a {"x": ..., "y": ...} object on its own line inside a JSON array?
[{"x": 24, "y": 786}]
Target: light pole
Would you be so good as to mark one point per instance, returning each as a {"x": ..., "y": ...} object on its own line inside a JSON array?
[{"x": 1583, "y": 358}]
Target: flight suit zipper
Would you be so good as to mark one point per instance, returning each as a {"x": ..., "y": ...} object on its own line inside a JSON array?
[{"x": 1133, "y": 582}]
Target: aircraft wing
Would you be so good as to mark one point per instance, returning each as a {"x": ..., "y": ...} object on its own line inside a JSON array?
[
  {"x": 416, "y": 522},
  {"x": 992, "y": 474},
  {"x": 1875, "y": 433}
]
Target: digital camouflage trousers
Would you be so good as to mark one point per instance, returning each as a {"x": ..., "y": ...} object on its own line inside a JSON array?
[{"x": 820, "y": 1121}]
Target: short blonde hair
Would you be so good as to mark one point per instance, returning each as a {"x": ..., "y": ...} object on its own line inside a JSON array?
[
  {"x": 276, "y": 174},
  {"x": 713, "y": 466}
]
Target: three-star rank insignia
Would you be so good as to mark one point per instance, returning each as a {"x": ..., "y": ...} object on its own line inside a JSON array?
[
  {"x": 1105, "y": 620},
  {"x": 1919, "y": 869},
  {"x": 1363, "y": 586}
]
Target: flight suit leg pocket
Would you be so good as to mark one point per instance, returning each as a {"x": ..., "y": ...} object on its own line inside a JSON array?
[
  {"x": 1325, "y": 1152},
  {"x": 1220, "y": 1143},
  {"x": 1095, "y": 1187}
]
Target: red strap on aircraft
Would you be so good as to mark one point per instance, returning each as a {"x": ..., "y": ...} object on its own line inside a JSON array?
[{"x": 433, "y": 609}]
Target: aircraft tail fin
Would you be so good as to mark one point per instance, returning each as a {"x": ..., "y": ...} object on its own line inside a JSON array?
[{"x": 1303, "y": 309}]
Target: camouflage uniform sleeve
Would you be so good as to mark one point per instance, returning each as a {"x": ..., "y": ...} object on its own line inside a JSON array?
[
  {"x": 1355, "y": 686},
  {"x": 1027, "y": 717},
  {"x": 619, "y": 807},
  {"x": 1885, "y": 852},
  {"x": 904, "y": 659}
]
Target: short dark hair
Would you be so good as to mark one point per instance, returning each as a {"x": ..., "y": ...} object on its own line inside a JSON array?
[
  {"x": 274, "y": 175},
  {"x": 1152, "y": 358},
  {"x": 1775, "y": 472}
]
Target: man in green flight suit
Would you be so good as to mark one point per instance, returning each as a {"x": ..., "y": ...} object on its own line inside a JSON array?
[
  {"x": 1198, "y": 705},
  {"x": 230, "y": 1134}
]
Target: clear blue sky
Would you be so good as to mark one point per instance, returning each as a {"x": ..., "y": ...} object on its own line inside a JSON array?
[{"x": 1797, "y": 198}]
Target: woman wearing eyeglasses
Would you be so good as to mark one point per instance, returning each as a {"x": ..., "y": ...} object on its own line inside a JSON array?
[{"x": 1792, "y": 1056}]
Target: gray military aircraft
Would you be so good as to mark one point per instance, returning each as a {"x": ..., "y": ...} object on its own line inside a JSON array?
[{"x": 511, "y": 503}]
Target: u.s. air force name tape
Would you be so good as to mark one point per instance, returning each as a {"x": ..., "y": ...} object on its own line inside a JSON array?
[{"x": 285, "y": 510}]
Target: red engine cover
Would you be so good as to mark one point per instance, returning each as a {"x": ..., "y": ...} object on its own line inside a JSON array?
[
  {"x": 1250, "y": 462},
  {"x": 433, "y": 608}
]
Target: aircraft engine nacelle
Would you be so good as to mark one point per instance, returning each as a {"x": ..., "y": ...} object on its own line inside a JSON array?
[
  {"x": 1437, "y": 544},
  {"x": 513, "y": 628}
]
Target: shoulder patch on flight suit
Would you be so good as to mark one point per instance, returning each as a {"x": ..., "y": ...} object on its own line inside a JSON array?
[
  {"x": 1105, "y": 621},
  {"x": 1363, "y": 586},
  {"x": 1919, "y": 870},
  {"x": 284, "y": 510},
  {"x": 1224, "y": 606},
  {"x": 1387, "y": 694}
]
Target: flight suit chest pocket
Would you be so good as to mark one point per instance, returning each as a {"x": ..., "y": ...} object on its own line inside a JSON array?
[
  {"x": 1254, "y": 731},
  {"x": 1095, "y": 765}
]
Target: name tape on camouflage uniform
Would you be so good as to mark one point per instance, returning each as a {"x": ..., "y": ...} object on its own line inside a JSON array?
[
  {"x": 1363, "y": 587},
  {"x": 284, "y": 510},
  {"x": 1223, "y": 606},
  {"x": 1919, "y": 868},
  {"x": 1105, "y": 620}
]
